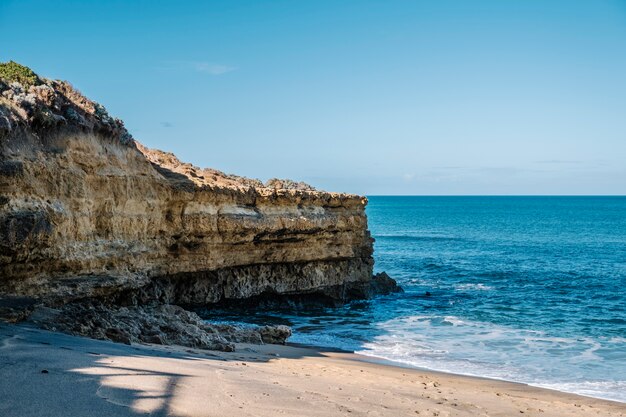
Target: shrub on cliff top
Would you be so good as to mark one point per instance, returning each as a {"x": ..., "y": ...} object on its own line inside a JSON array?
[{"x": 12, "y": 71}]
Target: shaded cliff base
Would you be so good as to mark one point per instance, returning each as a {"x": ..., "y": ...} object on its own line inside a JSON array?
[
  {"x": 56, "y": 375},
  {"x": 161, "y": 324},
  {"x": 143, "y": 317}
]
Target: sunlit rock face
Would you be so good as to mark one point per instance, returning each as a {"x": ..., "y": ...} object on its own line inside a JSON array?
[{"x": 85, "y": 211}]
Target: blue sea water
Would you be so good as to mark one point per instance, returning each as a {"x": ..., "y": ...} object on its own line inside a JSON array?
[{"x": 527, "y": 289}]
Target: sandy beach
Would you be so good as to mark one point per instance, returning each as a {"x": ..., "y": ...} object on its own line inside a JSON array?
[
  {"x": 52, "y": 374},
  {"x": 312, "y": 208}
]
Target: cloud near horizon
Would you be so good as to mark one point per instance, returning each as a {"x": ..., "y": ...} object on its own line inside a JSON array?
[{"x": 558, "y": 161}]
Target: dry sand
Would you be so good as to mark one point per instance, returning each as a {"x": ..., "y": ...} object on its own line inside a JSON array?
[{"x": 53, "y": 375}]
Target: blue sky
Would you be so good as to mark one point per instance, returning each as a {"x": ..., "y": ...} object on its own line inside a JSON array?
[{"x": 371, "y": 97}]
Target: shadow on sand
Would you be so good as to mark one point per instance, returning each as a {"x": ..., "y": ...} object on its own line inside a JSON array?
[{"x": 51, "y": 374}]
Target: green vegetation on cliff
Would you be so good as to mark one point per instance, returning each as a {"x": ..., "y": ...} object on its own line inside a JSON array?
[{"x": 12, "y": 71}]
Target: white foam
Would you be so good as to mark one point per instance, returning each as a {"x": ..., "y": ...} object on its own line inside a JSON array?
[
  {"x": 608, "y": 390},
  {"x": 450, "y": 344},
  {"x": 476, "y": 287}
]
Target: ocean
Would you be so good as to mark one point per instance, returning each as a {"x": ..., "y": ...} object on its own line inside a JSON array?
[{"x": 525, "y": 289}]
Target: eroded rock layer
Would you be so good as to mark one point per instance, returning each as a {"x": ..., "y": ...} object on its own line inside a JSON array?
[{"x": 85, "y": 211}]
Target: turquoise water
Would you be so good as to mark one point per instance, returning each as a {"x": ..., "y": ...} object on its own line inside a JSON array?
[{"x": 529, "y": 289}]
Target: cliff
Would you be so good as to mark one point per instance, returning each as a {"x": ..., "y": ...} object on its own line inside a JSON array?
[{"x": 88, "y": 212}]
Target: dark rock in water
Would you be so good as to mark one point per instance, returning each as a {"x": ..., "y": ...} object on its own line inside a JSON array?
[
  {"x": 239, "y": 334},
  {"x": 383, "y": 284},
  {"x": 275, "y": 335}
]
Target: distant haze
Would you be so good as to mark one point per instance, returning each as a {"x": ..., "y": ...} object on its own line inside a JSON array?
[{"x": 371, "y": 97}]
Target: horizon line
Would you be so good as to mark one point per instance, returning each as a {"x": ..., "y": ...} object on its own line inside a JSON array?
[{"x": 494, "y": 195}]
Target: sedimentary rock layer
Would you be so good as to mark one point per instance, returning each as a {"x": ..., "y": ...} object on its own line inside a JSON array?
[{"x": 85, "y": 211}]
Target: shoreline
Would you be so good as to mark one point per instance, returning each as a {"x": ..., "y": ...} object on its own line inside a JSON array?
[
  {"x": 388, "y": 362},
  {"x": 84, "y": 376}
]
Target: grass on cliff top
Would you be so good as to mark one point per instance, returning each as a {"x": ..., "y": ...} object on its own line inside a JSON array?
[{"x": 12, "y": 71}]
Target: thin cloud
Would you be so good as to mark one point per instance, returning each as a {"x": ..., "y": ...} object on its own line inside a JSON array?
[
  {"x": 213, "y": 69},
  {"x": 209, "y": 68},
  {"x": 451, "y": 167}
]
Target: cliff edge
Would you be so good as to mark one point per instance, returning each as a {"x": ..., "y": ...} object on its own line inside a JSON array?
[{"x": 86, "y": 212}]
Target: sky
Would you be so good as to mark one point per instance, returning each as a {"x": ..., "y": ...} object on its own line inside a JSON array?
[{"x": 389, "y": 97}]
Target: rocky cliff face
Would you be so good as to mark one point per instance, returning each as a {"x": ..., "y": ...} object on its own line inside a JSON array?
[{"x": 85, "y": 211}]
